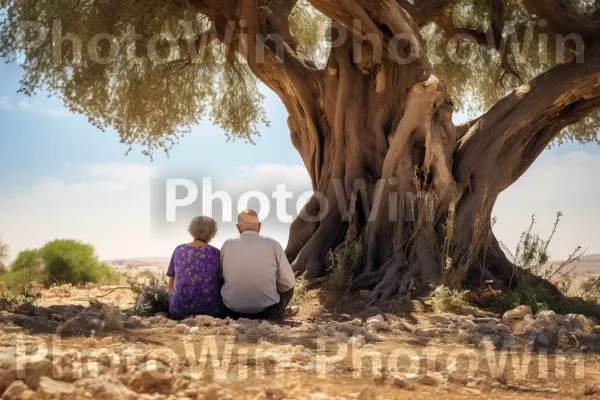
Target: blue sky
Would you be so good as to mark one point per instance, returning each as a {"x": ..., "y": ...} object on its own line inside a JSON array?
[{"x": 61, "y": 177}]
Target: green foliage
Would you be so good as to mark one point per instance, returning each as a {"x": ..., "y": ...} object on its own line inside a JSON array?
[
  {"x": 146, "y": 274},
  {"x": 70, "y": 261},
  {"x": 590, "y": 289},
  {"x": 533, "y": 296},
  {"x": 26, "y": 259},
  {"x": 345, "y": 262},
  {"x": 152, "y": 295},
  {"x": 532, "y": 256},
  {"x": 474, "y": 73},
  {"x": 18, "y": 287},
  {"x": 154, "y": 89},
  {"x": 151, "y": 90},
  {"x": 450, "y": 300},
  {"x": 311, "y": 30},
  {"x": 59, "y": 261}
]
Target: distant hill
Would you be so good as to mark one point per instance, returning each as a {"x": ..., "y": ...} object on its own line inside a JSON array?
[
  {"x": 153, "y": 264},
  {"x": 586, "y": 266}
]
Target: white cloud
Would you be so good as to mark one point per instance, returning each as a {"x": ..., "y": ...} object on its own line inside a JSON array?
[
  {"x": 109, "y": 208},
  {"x": 5, "y": 103},
  {"x": 268, "y": 176},
  {"x": 36, "y": 107},
  {"x": 568, "y": 183},
  {"x": 39, "y": 108}
]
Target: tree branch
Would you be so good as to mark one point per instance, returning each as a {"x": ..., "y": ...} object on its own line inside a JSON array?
[
  {"x": 384, "y": 19},
  {"x": 259, "y": 31},
  {"x": 564, "y": 18},
  {"x": 506, "y": 140},
  {"x": 425, "y": 11}
]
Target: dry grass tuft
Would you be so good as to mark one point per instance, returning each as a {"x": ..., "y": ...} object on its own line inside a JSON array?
[{"x": 345, "y": 262}]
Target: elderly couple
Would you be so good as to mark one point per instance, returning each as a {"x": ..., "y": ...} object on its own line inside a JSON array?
[{"x": 250, "y": 277}]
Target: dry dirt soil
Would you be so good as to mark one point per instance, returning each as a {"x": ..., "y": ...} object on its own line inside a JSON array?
[{"x": 68, "y": 347}]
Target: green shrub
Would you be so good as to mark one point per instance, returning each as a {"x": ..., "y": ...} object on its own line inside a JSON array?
[
  {"x": 63, "y": 261},
  {"x": 26, "y": 259},
  {"x": 60, "y": 262},
  {"x": 17, "y": 287},
  {"x": 146, "y": 274},
  {"x": 108, "y": 276},
  {"x": 534, "y": 297},
  {"x": 531, "y": 256},
  {"x": 70, "y": 261},
  {"x": 152, "y": 296},
  {"x": 447, "y": 300}
]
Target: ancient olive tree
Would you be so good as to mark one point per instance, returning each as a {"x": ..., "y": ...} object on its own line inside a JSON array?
[{"x": 370, "y": 87}]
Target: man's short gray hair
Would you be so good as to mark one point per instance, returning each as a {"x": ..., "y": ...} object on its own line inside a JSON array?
[{"x": 203, "y": 228}]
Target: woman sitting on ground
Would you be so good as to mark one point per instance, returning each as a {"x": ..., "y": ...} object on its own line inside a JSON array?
[{"x": 195, "y": 273}]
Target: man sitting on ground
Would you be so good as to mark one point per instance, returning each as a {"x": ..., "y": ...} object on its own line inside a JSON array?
[{"x": 259, "y": 281}]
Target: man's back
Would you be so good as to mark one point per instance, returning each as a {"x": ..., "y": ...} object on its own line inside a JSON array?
[{"x": 255, "y": 270}]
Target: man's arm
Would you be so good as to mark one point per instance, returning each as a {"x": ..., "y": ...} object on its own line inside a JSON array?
[
  {"x": 285, "y": 275},
  {"x": 223, "y": 252}
]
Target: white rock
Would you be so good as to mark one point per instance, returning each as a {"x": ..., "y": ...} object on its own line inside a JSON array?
[
  {"x": 357, "y": 341},
  {"x": 300, "y": 358},
  {"x": 14, "y": 391},
  {"x": 191, "y": 322},
  {"x": 377, "y": 325},
  {"x": 579, "y": 321},
  {"x": 439, "y": 319},
  {"x": 401, "y": 382},
  {"x": 470, "y": 391},
  {"x": 428, "y": 363},
  {"x": 548, "y": 314},
  {"x": 106, "y": 389},
  {"x": 51, "y": 387},
  {"x": 458, "y": 377},
  {"x": 430, "y": 379},
  {"x": 375, "y": 318},
  {"x": 516, "y": 313},
  {"x": 135, "y": 320}
]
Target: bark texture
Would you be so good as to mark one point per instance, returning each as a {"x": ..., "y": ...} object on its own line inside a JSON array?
[{"x": 376, "y": 135}]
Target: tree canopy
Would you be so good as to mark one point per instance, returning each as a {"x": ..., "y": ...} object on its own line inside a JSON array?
[{"x": 152, "y": 69}]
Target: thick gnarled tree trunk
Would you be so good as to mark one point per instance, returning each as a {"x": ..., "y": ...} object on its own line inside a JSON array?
[{"x": 367, "y": 119}]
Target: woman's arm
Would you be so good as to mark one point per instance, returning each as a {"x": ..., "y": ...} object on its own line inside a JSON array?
[
  {"x": 171, "y": 272},
  {"x": 171, "y": 282}
]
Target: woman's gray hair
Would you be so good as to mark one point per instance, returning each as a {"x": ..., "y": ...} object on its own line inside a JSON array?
[{"x": 203, "y": 228}]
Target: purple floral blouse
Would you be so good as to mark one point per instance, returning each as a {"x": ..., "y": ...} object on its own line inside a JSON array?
[{"x": 198, "y": 280}]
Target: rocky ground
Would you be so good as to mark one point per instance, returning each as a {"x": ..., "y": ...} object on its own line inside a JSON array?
[{"x": 83, "y": 343}]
